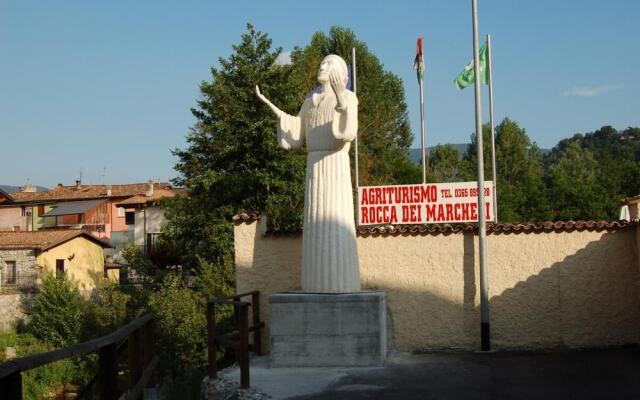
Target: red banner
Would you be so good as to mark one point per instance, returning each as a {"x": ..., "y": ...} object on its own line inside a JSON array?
[{"x": 429, "y": 203}]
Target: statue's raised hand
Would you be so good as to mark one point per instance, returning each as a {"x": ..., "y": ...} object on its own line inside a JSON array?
[
  {"x": 338, "y": 88},
  {"x": 278, "y": 112}
]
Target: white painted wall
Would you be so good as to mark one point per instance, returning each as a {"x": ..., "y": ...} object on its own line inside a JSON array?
[
  {"x": 154, "y": 222},
  {"x": 10, "y": 217}
]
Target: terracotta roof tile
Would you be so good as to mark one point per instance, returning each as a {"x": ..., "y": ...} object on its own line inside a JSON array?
[
  {"x": 43, "y": 240},
  {"x": 61, "y": 193},
  {"x": 142, "y": 199},
  {"x": 443, "y": 229},
  {"x": 248, "y": 216}
]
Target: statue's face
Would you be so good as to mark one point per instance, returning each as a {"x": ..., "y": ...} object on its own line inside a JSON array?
[{"x": 327, "y": 65}]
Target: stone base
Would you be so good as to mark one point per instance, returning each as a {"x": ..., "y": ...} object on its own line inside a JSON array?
[{"x": 328, "y": 330}]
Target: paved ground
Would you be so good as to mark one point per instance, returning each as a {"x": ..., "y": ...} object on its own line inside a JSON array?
[{"x": 602, "y": 374}]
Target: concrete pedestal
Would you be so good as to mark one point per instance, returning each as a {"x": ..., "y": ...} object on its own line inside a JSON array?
[{"x": 328, "y": 330}]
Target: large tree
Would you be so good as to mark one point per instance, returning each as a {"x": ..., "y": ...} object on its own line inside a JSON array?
[
  {"x": 614, "y": 161},
  {"x": 384, "y": 131},
  {"x": 519, "y": 169},
  {"x": 232, "y": 162}
]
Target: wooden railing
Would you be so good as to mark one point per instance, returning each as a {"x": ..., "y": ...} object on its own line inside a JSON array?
[
  {"x": 141, "y": 362},
  {"x": 238, "y": 339}
]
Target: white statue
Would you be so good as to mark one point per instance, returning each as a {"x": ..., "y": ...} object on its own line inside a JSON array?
[{"x": 327, "y": 122}]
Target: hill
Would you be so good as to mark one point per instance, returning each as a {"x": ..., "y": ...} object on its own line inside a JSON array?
[{"x": 12, "y": 189}]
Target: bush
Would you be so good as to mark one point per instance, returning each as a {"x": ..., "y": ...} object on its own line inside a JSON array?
[
  {"x": 58, "y": 312},
  {"x": 108, "y": 311},
  {"x": 180, "y": 326}
]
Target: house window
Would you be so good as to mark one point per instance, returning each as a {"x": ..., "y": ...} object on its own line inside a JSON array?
[
  {"x": 9, "y": 273},
  {"x": 40, "y": 210},
  {"x": 121, "y": 212},
  {"x": 59, "y": 267},
  {"x": 130, "y": 218}
]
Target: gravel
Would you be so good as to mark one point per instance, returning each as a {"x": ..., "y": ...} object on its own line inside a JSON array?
[{"x": 222, "y": 388}]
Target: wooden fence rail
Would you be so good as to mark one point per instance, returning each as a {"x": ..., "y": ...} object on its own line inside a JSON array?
[
  {"x": 239, "y": 339},
  {"x": 141, "y": 362}
]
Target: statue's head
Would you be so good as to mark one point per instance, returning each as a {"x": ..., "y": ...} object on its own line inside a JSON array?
[{"x": 336, "y": 63}]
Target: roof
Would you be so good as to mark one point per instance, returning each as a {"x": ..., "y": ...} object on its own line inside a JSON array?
[
  {"x": 7, "y": 196},
  {"x": 437, "y": 229},
  {"x": 44, "y": 240},
  {"x": 141, "y": 200},
  {"x": 85, "y": 192},
  {"x": 630, "y": 200},
  {"x": 74, "y": 207}
]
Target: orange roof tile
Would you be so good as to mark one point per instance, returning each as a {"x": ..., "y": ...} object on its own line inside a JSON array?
[
  {"x": 43, "y": 240},
  {"x": 436, "y": 229},
  {"x": 142, "y": 199},
  {"x": 65, "y": 193}
]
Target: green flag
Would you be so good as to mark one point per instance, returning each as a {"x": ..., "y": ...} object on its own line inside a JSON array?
[{"x": 466, "y": 77}]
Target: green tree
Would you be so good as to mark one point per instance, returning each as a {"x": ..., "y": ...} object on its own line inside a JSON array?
[
  {"x": 520, "y": 171},
  {"x": 57, "y": 313},
  {"x": 232, "y": 162},
  {"x": 574, "y": 187},
  {"x": 616, "y": 166},
  {"x": 384, "y": 133},
  {"x": 445, "y": 163}
]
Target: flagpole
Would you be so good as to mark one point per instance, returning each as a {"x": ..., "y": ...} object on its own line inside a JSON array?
[
  {"x": 482, "y": 223},
  {"x": 493, "y": 131},
  {"x": 357, "y": 171},
  {"x": 353, "y": 73},
  {"x": 424, "y": 151}
]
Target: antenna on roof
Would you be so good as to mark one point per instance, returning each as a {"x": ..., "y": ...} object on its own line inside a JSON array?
[
  {"x": 80, "y": 178},
  {"x": 104, "y": 174}
]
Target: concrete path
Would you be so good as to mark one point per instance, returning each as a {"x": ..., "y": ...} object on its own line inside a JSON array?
[{"x": 601, "y": 374}]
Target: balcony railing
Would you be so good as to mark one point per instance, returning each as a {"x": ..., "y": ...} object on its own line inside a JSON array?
[{"x": 24, "y": 282}]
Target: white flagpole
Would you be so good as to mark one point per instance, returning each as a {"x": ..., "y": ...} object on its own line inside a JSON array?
[
  {"x": 422, "y": 133},
  {"x": 482, "y": 223},
  {"x": 493, "y": 131},
  {"x": 357, "y": 171}
]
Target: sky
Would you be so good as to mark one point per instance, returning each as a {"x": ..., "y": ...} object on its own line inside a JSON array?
[{"x": 105, "y": 88}]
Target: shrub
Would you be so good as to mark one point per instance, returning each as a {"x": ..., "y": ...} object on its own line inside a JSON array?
[
  {"x": 57, "y": 313},
  {"x": 108, "y": 311},
  {"x": 180, "y": 326}
]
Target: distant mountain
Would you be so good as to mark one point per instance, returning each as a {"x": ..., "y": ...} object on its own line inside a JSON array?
[
  {"x": 416, "y": 154},
  {"x": 12, "y": 189}
]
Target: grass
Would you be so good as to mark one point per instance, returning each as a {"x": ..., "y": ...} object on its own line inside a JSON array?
[{"x": 41, "y": 382}]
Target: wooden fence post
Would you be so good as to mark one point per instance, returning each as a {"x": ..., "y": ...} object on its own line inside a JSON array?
[
  {"x": 133, "y": 358},
  {"x": 211, "y": 339},
  {"x": 255, "y": 311},
  {"x": 243, "y": 351},
  {"x": 147, "y": 350},
  {"x": 11, "y": 387},
  {"x": 108, "y": 372}
]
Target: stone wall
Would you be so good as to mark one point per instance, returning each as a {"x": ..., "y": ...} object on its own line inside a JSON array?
[
  {"x": 548, "y": 289},
  {"x": 25, "y": 262},
  {"x": 12, "y": 309}
]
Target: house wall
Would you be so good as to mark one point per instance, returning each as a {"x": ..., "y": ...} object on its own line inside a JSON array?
[
  {"x": 37, "y": 222},
  {"x": 117, "y": 223},
  {"x": 25, "y": 262},
  {"x": 12, "y": 304},
  {"x": 154, "y": 221},
  {"x": 85, "y": 269},
  {"x": 547, "y": 289},
  {"x": 12, "y": 309},
  {"x": 11, "y": 217}
]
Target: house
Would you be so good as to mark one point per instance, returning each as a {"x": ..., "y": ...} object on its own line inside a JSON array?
[
  {"x": 80, "y": 206},
  {"x": 149, "y": 216},
  {"x": 12, "y": 216},
  {"x": 25, "y": 257},
  {"x": 633, "y": 207}
]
